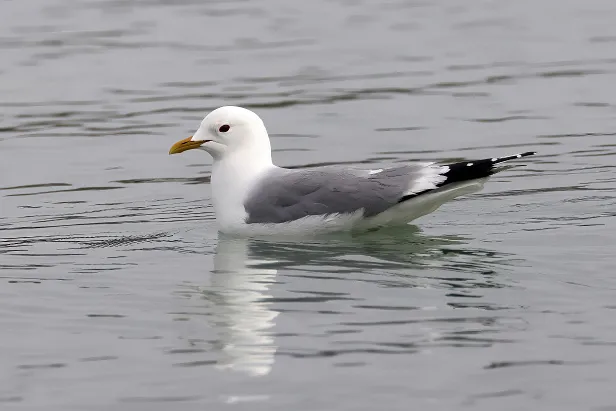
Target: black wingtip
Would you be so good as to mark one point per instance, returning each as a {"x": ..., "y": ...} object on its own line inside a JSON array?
[
  {"x": 470, "y": 170},
  {"x": 512, "y": 157}
]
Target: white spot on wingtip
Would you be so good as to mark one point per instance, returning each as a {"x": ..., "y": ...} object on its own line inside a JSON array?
[
  {"x": 519, "y": 156},
  {"x": 469, "y": 164},
  {"x": 494, "y": 160}
]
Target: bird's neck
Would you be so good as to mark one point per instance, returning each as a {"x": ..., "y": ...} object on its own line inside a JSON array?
[{"x": 232, "y": 178}]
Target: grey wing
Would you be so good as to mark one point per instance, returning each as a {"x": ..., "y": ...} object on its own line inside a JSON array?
[{"x": 286, "y": 195}]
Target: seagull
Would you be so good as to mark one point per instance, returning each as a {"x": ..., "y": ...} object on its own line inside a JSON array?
[{"x": 251, "y": 195}]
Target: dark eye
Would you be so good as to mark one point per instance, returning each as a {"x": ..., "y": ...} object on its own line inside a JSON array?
[{"x": 224, "y": 128}]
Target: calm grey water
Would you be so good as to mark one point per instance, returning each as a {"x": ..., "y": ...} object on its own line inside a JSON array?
[{"x": 118, "y": 293}]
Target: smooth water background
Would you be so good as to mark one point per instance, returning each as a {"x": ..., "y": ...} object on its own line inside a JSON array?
[{"x": 116, "y": 291}]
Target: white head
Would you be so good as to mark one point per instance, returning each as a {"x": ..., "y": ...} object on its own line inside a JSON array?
[{"x": 229, "y": 130}]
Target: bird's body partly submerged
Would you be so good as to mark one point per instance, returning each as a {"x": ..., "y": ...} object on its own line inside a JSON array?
[{"x": 253, "y": 196}]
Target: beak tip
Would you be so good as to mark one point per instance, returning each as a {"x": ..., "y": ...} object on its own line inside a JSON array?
[{"x": 182, "y": 145}]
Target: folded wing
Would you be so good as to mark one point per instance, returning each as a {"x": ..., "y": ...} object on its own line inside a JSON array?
[{"x": 289, "y": 194}]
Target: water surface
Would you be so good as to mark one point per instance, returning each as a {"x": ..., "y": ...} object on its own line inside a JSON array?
[{"x": 118, "y": 292}]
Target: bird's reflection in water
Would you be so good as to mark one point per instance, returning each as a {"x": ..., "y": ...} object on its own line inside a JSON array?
[
  {"x": 245, "y": 269},
  {"x": 241, "y": 315},
  {"x": 402, "y": 247}
]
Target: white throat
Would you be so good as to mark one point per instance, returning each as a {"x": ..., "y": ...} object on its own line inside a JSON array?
[{"x": 233, "y": 176}]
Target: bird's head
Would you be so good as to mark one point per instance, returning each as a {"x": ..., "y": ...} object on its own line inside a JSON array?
[{"x": 227, "y": 130}]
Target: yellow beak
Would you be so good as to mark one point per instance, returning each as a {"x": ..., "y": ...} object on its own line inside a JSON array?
[{"x": 186, "y": 144}]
